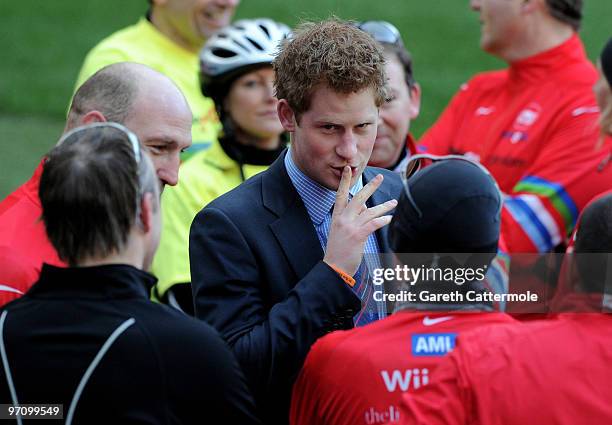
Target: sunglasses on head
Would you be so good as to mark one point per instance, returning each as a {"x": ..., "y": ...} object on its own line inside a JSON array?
[
  {"x": 382, "y": 31},
  {"x": 421, "y": 161},
  {"x": 131, "y": 136}
]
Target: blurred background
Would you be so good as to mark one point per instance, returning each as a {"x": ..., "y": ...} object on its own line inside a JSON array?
[{"x": 43, "y": 43}]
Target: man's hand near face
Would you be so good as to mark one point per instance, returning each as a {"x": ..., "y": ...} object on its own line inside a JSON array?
[{"x": 353, "y": 222}]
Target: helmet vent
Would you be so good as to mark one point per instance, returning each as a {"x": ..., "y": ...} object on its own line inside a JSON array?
[
  {"x": 223, "y": 53},
  {"x": 239, "y": 44},
  {"x": 264, "y": 29},
  {"x": 254, "y": 43}
]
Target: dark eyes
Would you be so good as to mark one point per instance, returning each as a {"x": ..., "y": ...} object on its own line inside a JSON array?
[
  {"x": 250, "y": 84},
  {"x": 333, "y": 127}
]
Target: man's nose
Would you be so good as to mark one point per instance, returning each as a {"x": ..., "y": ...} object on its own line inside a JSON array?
[
  {"x": 475, "y": 5},
  {"x": 347, "y": 146},
  {"x": 168, "y": 173}
]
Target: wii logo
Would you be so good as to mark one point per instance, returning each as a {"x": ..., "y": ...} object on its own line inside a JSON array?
[{"x": 405, "y": 380}]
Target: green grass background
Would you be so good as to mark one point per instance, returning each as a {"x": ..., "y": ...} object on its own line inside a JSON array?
[{"x": 43, "y": 42}]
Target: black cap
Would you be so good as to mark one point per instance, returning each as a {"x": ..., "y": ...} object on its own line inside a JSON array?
[
  {"x": 460, "y": 209},
  {"x": 606, "y": 61}
]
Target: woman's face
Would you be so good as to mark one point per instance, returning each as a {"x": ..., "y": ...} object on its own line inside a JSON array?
[
  {"x": 602, "y": 90},
  {"x": 252, "y": 106}
]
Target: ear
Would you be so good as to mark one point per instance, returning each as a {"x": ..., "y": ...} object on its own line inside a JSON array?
[
  {"x": 93, "y": 116},
  {"x": 415, "y": 101},
  {"x": 286, "y": 115},
  {"x": 146, "y": 212}
]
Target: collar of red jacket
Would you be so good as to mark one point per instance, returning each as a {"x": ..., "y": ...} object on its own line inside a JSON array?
[
  {"x": 31, "y": 186},
  {"x": 411, "y": 144},
  {"x": 541, "y": 66}
]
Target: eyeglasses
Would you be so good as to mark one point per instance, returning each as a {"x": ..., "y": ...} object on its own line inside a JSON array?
[
  {"x": 421, "y": 161},
  {"x": 131, "y": 136},
  {"x": 382, "y": 31}
]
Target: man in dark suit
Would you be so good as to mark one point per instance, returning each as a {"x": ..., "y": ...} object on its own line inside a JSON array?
[{"x": 273, "y": 268}]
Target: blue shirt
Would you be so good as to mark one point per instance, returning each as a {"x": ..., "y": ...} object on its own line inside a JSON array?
[{"x": 319, "y": 201}]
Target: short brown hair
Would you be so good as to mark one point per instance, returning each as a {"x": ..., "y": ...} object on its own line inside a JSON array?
[
  {"x": 90, "y": 191},
  {"x": 334, "y": 53},
  {"x": 568, "y": 11},
  {"x": 112, "y": 91}
]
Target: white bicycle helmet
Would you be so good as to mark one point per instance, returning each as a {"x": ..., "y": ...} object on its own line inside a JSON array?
[{"x": 235, "y": 49}]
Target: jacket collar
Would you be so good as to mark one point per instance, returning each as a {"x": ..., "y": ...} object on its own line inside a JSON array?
[
  {"x": 293, "y": 229},
  {"x": 106, "y": 281},
  {"x": 553, "y": 61}
]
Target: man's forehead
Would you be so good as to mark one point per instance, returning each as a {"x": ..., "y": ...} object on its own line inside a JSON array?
[{"x": 346, "y": 114}]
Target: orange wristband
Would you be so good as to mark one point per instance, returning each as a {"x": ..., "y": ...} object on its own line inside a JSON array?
[{"x": 348, "y": 279}]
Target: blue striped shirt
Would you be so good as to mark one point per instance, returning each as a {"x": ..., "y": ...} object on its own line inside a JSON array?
[{"x": 319, "y": 201}]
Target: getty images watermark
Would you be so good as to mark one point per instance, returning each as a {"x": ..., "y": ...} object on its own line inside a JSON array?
[
  {"x": 448, "y": 278},
  {"x": 520, "y": 283},
  {"x": 411, "y": 276}
]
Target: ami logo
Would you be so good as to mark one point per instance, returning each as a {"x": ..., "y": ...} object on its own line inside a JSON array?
[{"x": 433, "y": 344}]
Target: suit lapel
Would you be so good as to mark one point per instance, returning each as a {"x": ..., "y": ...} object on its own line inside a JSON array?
[{"x": 293, "y": 229}]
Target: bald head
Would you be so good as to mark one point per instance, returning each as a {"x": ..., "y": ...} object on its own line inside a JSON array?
[
  {"x": 113, "y": 90},
  {"x": 145, "y": 101}
]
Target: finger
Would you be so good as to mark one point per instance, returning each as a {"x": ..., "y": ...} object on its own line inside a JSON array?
[
  {"x": 378, "y": 210},
  {"x": 376, "y": 223},
  {"x": 364, "y": 194},
  {"x": 343, "y": 191}
]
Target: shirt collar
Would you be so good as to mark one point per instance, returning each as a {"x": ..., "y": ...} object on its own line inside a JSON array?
[{"x": 317, "y": 199}]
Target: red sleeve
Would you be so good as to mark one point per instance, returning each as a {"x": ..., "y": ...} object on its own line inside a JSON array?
[
  {"x": 445, "y": 401},
  {"x": 542, "y": 208},
  {"x": 16, "y": 276}
]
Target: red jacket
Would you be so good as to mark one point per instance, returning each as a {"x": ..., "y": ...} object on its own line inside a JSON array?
[
  {"x": 534, "y": 126},
  {"x": 358, "y": 376},
  {"x": 24, "y": 245},
  {"x": 568, "y": 272},
  {"x": 549, "y": 372}
]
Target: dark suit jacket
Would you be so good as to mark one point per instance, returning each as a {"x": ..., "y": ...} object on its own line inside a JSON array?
[{"x": 258, "y": 277}]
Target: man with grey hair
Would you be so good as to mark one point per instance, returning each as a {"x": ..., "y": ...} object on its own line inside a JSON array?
[
  {"x": 146, "y": 102},
  {"x": 533, "y": 125},
  {"x": 109, "y": 354}
]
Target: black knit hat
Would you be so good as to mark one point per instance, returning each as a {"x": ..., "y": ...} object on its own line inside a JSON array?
[
  {"x": 459, "y": 211},
  {"x": 606, "y": 61}
]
